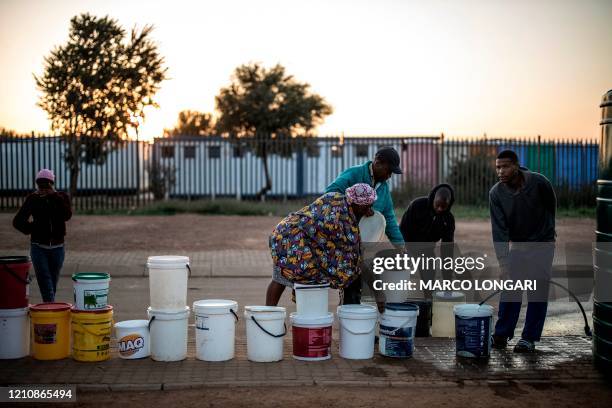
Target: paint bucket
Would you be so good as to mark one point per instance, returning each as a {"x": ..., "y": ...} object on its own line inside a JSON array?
[
  {"x": 14, "y": 333},
  {"x": 168, "y": 333},
  {"x": 90, "y": 290},
  {"x": 215, "y": 325},
  {"x": 311, "y": 300},
  {"x": 266, "y": 329},
  {"x": 443, "y": 315},
  {"x": 14, "y": 282},
  {"x": 50, "y": 330},
  {"x": 423, "y": 326},
  {"x": 396, "y": 331},
  {"x": 91, "y": 334},
  {"x": 312, "y": 336},
  {"x": 133, "y": 340},
  {"x": 357, "y": 331},
  {"x": 473, "y": 330},
  {"x": 168, "y": 276}
]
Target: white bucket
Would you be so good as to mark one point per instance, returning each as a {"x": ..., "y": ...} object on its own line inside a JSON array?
[
  {"x": 266, "y": 330},
  {"x": 442, "y": 314},
  {"x": 473, "y": 330},
  {"x": 90, "y": 290},
  {"x": 14, "y": 333},
  {"x": 397, "y": 328},
  {"x": 396, "y": 278},
  {"x": 168, "y": 331},
  {"x": 168, "y": 276},
  {"x": 372, "y": 229},
  {"x": 133, "y": 340},
  {"x": 357, "y": 331},
  {"x": 311, "y": 300},
  {"x": 215, "y": 326},
  {"x": 312, "y": 336}
]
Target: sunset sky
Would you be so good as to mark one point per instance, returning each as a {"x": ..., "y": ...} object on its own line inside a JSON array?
[{"x": 507, "y": 68}]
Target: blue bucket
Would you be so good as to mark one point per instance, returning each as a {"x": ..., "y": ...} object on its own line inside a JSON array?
[{"x": 473, "y": 330}]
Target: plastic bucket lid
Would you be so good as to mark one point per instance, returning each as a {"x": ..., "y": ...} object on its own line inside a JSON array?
[
  {"x": 132, "y": 324},
  {"x": 320, "y": 321},
  {"x": 371, "y": 229},
  {"x": 90, "y": 276},
  {"x": 407, "y": 307},
  {"x": 14, "y": 312},
  {"x": 105, "y": 309},
  {"x": 299, "y": 286},
  {"x": 7, "y": 260},
  {"x": 449, "y": 296},
  {"x": 168, "y": 314},
  {"x": 50, "y": 307},
  {"x": 265, "y": 312},
  {"x": 167, "y": 262},
  {"x": 357, "y": 312},
  {"x": 473, "y": 310},
  {"x": 214, "y": 306}
]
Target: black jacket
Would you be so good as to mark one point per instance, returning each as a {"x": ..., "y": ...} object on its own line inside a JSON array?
[
  {"x": 420, "y": 223},
  {"x": 49, "y": 214}
]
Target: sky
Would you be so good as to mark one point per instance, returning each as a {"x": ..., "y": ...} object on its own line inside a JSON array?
[{"x": 388, "y": 67}]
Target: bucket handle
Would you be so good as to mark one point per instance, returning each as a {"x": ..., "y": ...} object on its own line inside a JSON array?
[
  {"x": 267, "y": 332},
  {"x": 89, "y": 331},
  {"x": 358, "y": 332},
  {"x": 235, "y": 315},
  {"x": 151, "y": 321},
  {"x": 188, "y": 268},
  {"x": 25, "y": 281}
]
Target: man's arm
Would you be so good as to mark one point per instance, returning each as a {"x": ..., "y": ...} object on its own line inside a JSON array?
[
  {"x": 499, "y": 230},
  {"x": 65, "y": 205},
  {"x": 22, "y": 219}
]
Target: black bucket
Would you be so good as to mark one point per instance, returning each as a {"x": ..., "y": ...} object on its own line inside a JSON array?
[{"x": 423, "y": 326}]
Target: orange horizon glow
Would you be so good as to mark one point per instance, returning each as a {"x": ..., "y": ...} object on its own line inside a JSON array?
[{"x": 507, "y": 69}]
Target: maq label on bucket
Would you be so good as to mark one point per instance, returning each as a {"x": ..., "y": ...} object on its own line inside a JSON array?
[
  {"x": 130, "y": 344},
  {"x": 396, "y": 342}
]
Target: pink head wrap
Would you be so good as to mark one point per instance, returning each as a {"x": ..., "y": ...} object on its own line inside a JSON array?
[
  {"x": 361, "y": 194},
  {"x": 46, "y": 174}
]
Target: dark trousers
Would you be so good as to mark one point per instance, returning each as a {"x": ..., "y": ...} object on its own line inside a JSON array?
[
  {"x": 352, "y": 293},
  {"x": 535, "y": 263},
  {"x": 47, "y": 265}
]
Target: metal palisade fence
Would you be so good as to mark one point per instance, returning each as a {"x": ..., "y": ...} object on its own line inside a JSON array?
[{"x": 136, "y": 173}]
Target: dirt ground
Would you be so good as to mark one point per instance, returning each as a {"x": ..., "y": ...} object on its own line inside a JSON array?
[
  {"x": 512, "y": 395},
  {"x": 192, "y": 232}
]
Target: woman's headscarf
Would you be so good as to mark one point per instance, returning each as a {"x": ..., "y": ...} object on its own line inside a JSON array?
[{"x": 361, "y": 194}]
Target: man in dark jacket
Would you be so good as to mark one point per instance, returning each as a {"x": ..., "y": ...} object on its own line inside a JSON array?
[
  {"x": 428, "y": 220},
  {"x": 522, "y": 206},
  {"x": 49, "y": 210}
]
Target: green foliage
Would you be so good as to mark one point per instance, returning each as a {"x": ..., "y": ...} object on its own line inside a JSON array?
[
  {"x": 97, "y": 85},
  {"x": 472, "y": 178},
  {"x": 192, "y": 123}
]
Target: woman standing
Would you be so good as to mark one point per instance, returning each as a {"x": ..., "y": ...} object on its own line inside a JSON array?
[
  {"x": 49, "y": 210},
  {"x": 320, "y": 243}
]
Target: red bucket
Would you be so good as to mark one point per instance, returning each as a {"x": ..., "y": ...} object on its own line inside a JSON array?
[
  {"x": 14, "y": 281},
  {"x": 312, "y": 336}
]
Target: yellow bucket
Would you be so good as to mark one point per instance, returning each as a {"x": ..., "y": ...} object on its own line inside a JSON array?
[
  {"x": 50, "y": 330},
  {"x": 91, "y": 334}
]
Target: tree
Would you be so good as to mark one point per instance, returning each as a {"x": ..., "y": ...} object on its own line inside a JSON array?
[
  {"x": 97, "y": 86},
  {"x": 192, "y": 123},
  {"x": 269, "y": 105}
]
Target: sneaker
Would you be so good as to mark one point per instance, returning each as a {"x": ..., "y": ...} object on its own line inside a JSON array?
[
  {"x": 524, "y": 346},
  {"x": 499, "y": 342}
]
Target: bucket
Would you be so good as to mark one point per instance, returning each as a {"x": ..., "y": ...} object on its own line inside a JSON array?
[
  {"x": 266, "y": 329},
  {"x": 133, "y": 340},
  {"x": 357, "y": 331},
  {"x": 312, "y": 336},
  {"x": 14, "y": 333},
  {"x": 443, "y": 315},
  {"x": 397, "y": 327},
  {"x": 50, "y": 330},
  {"x": 311, "y": 300},
  {"x": 215, "y": 325},
  {"x": 168, "y": 276},
  {"x": 91, "y": 334},
  {"x": 168, "y": 331},
  {"x": 423, "y": 326},
  {"x": 90, "y": 290},
  {"x": 14, "y": 282},
  {"x": 473, "y": 330}
]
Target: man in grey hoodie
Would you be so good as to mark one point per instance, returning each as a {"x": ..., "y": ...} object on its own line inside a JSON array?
[{"x": 522, "y": 206}]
